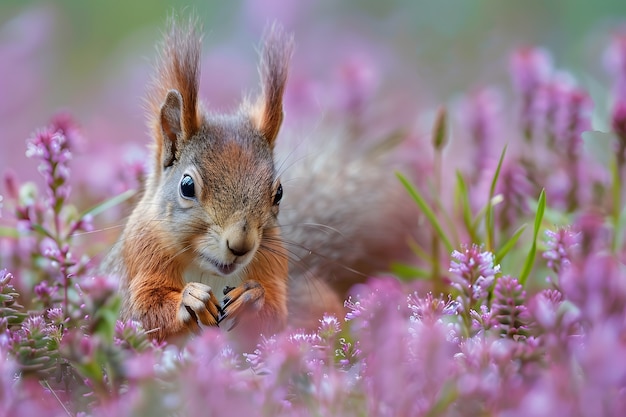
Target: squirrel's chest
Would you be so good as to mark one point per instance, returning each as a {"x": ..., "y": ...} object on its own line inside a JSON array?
[{"x": 217, "y": 283}]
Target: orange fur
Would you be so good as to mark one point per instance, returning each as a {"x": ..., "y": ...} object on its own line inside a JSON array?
[
  {"x": 222, "y": 227},
  {"x": 180, "y": 253},
  {"x": 267, "y": 112},
  {"x": 178, "y": 68}
]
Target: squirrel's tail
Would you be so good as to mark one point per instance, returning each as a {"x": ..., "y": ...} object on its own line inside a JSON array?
[{"x": 345, "y": 217}]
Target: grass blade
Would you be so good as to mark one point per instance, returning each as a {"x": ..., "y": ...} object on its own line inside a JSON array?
[
  {"x": 616, "y": 194},
  {"x": 618, "y": 234},
  {"x": 417, "y": 250},
  {"x": 530, "y": 259},
  {"x": 489, "y": 231},
  {"x": 409, "y": 273},
  {"x": 107, "y": 204},
  {"x": 508, "y": 245},
  {"x": 462, "y": 196},
  {"x": 428, "y": 212},
  {"x": 439, "y": 210}
]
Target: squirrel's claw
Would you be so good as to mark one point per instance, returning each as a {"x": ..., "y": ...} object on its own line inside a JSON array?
[
  {"x": 249, "y": 296},
  {"x": 199, "y": 305}
]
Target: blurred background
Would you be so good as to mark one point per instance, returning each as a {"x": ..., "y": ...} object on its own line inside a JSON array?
[{"x": 396, "y": 61}]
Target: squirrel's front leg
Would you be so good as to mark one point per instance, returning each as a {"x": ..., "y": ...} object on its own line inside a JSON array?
[
  {"x": 248, "y": 297},
  {"x": 198, "y": 303},
  {"x": 167, "y": 311}
]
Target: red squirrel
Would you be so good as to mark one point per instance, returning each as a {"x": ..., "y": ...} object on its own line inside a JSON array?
[{"x": 204, "y": 244}]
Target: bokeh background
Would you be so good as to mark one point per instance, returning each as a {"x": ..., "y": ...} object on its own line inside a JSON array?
[{"x": 396, "y": 61}]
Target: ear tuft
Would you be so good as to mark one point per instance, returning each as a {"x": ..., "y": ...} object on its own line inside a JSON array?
[
  {"x": 267, "y": 112},
  {"x": 171, "y": 126},
  {"x": 173, "y": 105}
]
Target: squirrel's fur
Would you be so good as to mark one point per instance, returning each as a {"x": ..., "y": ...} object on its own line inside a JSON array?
[{"x": 205, "y": 244}]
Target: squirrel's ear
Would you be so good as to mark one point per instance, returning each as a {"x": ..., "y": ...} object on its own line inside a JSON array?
[
  {"x": 267, "y": 112},
  {"x": 177, "y": 118},
  {"x": 171, "y": 126}
]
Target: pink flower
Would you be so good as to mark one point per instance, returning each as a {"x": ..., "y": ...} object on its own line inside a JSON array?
[
  {"x": 530, "y": 67},
  {"x": 561, "y": 245},
  {"x": 473, "y": 273}
]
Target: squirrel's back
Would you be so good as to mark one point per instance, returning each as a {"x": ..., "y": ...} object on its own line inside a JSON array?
[{"x": 345, "y": 218}]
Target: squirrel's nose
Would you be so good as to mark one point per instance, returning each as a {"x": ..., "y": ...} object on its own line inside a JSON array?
[{"x": 238, "y": 248}]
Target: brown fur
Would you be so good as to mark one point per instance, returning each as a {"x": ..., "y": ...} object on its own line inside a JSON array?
[
  {"x": 229, "y": 221},
  {"x": 267, "y": 112},
  {"x": 178, "y": 68},
  {"x": 335, "y": 229}
]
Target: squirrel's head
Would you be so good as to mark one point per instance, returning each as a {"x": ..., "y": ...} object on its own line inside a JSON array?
[{"x": 214, "y": 180}]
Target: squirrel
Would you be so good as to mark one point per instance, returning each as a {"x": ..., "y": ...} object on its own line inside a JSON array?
[{"x": 204, "y": 245}]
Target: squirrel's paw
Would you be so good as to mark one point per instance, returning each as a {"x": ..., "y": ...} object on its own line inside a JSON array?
[
  {"x": 249, "y": 296},
  {"x": 199, "y": 305}
]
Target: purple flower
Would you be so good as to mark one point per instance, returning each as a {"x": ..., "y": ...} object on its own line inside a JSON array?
[
  {"x": 430, "y": 308},
  {"x": 561, "y": 245},
  {"x": 56, "y": 316},
  {"x": 481, "y": 116},
  {"x": 572, "y": 116},
  {"x": 45, "y": 293},
  {"x": 615, "y": 62},
  {"x": 131, "y": 335},
  {"x": 515, "y": 188},
  {"x": 618, "y": 119},
  {"x": 51, "y": 148},
  {"x": 99, "y": 287},
  {"x": 473, "y": 273},
  {"x": 530, "y": 69},
  {"x": 10, "y": 309},
  {"x": 36, "y": 325},
  {"x": 65, "y": 124},
  {"x": 355, "y": 309},
  {"x": 594, "y": 235},
  {"x": 5, "y": 277},
  {"x": 348, "y": 353},
  {"x": 358, "y": 79},
  {"x": 329, "y": 327},
  {"x": 509, "y": 313},
  {"x": 369, "y": 298},
  {"x": 597, "y": 285},
  {"x": 482, "y": 319}
]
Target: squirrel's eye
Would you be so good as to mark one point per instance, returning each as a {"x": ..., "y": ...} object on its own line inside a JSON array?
[
  {"x": 187, "y": 187},
  {"x": 279, "y": 195}
]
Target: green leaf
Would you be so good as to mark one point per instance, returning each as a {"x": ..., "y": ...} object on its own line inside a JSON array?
[
  {"x": 417, "y": 250},
  {"x": 408, "y": 273},
  {"x": 439, "y": 210},
  {"x": 110, "y": 203},
  {"x": 616, "y": 196},
  {"x": 489, "y": 232},
  {"x": 530, "y": 259},
  {"x": 43, "y": 231},
  {"x": 448, "y": 394},
  {"x": 430, "y": 215},
  {"x": 105, "y": 318},
  {"x": 508, "y": 245},
  {"x": 466, "y": 210},
  {"x": 9, "y": 232},
  {"x": 618, "y": 234}
]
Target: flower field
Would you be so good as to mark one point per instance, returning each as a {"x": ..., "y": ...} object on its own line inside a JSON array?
[{"x": 514, "y": 302}]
